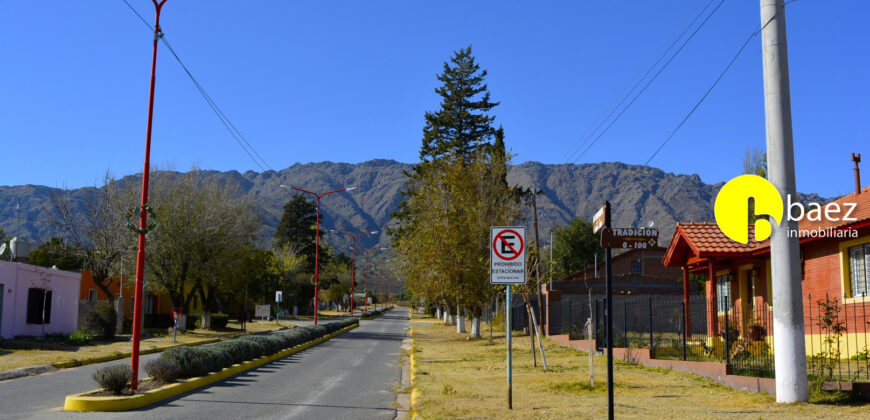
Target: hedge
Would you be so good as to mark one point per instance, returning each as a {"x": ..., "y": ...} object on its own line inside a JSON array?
[
  {"x": 198, "y": 361},
  {"x": 374, "y": 313}
]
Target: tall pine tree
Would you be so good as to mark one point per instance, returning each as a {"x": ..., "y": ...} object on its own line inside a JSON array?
[
  {"x": 454, "y": 194},
  {"x": 297, "y": 229},
  {"x": 463, "y": 124}
]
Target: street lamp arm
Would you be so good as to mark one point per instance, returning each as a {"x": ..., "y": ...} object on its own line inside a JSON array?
[{"x": 335, "y": 191}]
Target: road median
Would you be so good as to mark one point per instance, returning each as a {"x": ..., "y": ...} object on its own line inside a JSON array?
[{"x": 85, "y": 402}]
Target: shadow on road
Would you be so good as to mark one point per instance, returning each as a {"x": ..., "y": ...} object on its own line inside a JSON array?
[
  {"x": 292, "y": 404},
  {"x": 384, "y": 336}
]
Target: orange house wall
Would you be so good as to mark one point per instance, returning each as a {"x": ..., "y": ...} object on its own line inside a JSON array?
[{"x": 163, "y": 306}]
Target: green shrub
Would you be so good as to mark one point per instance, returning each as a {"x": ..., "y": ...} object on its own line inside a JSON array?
[
  {"x": 219, "y": 321},
  {"x": 163, "y": 370},
  {"x": 192, "y": 321},
  {"x": 215, "y": 359},
  {"x": 188, "y": 361},
  {"x": 80, "y": 337},
  {"x": 114, "y": 378},
  {"x": 102, "y": 320},
  {"x": 239, "y": 350}
]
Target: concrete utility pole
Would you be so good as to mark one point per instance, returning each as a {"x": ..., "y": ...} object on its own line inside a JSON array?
[{"x": 788, "y": 316}]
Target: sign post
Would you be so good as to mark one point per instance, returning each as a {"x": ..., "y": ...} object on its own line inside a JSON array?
[
  {"x": 507, "y": 265},
  {"x": 177, "y": 316},
  {"x": 636, "y": 238}
]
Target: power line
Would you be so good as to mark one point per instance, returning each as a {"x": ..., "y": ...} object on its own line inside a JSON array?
[
  {"x": 227, "y": 123},
  {"x": 599, "y": 121},
  {"x": 658, "y": 73},
  {"x": 634, "y": 173}
]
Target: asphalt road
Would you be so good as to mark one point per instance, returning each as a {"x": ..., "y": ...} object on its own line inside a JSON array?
[{"x": 347, "y": 377}]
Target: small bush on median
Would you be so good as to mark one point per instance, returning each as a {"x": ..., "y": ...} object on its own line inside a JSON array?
[
  {"x": 188, "y": 360},
  {"x": 163, "y": 370},
  {"x": 114, "y": 378}
]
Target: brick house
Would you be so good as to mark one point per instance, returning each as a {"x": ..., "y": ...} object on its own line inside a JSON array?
[
  {"x": 635, "y": 272},
  {"x": 835, "y": 263}
]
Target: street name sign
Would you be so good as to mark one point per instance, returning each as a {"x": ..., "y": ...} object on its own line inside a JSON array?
[
  {"x": 635, "y": 238},
  {"x": 599, "y": 219},
  {"x": 507, "y": 263}
]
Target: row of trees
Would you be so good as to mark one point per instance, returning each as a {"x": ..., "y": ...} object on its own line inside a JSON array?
[
  {"x": 454, "y": 195},
  {"x": 458, "y": 191},
  {"x": 205, "y": 246}
]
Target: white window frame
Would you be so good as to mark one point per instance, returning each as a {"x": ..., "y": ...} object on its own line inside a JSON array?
[{"x": 859, "y": 270}]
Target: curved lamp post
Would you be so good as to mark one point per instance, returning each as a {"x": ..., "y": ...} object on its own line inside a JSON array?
[
  {"x": 353, "y": 260},
  {"x": 317, "y": 239},
  {"x": 368, "y": 251}
]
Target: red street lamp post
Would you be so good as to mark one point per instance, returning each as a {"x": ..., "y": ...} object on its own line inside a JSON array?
[
  {"x": 353, "y": 261},
  {"x": 143, "y": 213},
  {"x": 317, "y": 239},
  {"x": 367, "y": 251}
]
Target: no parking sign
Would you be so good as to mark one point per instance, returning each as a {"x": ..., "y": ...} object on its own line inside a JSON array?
[{"x": 508, "y": 255}]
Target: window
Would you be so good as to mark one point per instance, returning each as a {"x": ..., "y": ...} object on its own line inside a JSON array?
[
  {"x": 723, "y": 292},
  {"x": 635, "y": 267},
  {"x": 92, "y": 295},
  {"x": 38, "y": 306},
  {"x": 859, "y": 269}
]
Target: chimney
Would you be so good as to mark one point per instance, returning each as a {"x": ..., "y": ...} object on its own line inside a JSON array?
[{"x": 857, "y": 159}]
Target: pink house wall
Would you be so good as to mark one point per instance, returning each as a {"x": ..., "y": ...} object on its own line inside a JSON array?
[{"x": 17, "y": 278}]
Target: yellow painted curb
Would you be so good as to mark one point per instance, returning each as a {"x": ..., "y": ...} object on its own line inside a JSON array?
[
  {"x": 80, "y": 402},
  {"x": 415, "y": 393}
]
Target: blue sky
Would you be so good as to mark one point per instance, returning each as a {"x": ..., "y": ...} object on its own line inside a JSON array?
[{"x": 350, "y": 81}]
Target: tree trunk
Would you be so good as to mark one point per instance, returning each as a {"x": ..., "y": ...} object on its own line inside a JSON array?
[
  {"x": 475, "y": 323},
  {"x": 205, "y": 319},
  {"x": 460, "y": 320},
  {"x": 531, "y": 329},
  {"x": 119, "y": 316},
  {"x": 438, "y": 312}
]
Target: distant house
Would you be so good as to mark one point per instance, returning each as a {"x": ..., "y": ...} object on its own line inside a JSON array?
[
  {"x": 635, "y": 272},
  {"x": 152, "y": 303},
  {"x": 37, "y": 300},
  {"x": 835, "y": 264}
]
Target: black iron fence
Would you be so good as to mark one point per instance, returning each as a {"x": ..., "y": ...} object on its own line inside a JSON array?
[{"x": 837, "y": 331}]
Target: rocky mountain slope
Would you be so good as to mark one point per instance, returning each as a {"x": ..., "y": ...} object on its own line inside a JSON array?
[{"x": 570, "y": 191}]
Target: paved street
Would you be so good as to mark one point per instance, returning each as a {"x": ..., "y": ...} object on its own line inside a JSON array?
[{"x": 348, "y": 377}]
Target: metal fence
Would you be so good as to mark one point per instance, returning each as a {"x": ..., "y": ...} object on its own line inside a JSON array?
[{"x": 719, "y": 331}]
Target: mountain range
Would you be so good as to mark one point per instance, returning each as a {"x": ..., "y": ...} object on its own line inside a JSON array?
[{"x": 638, "y": 195}]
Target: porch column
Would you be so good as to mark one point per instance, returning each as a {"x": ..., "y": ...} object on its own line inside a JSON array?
[{"x": 712, "y": 301}]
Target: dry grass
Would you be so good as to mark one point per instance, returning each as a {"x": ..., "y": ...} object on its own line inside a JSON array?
[
  {"x": 460, "y": 378},
  {"x": 13, "y": 357}
]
